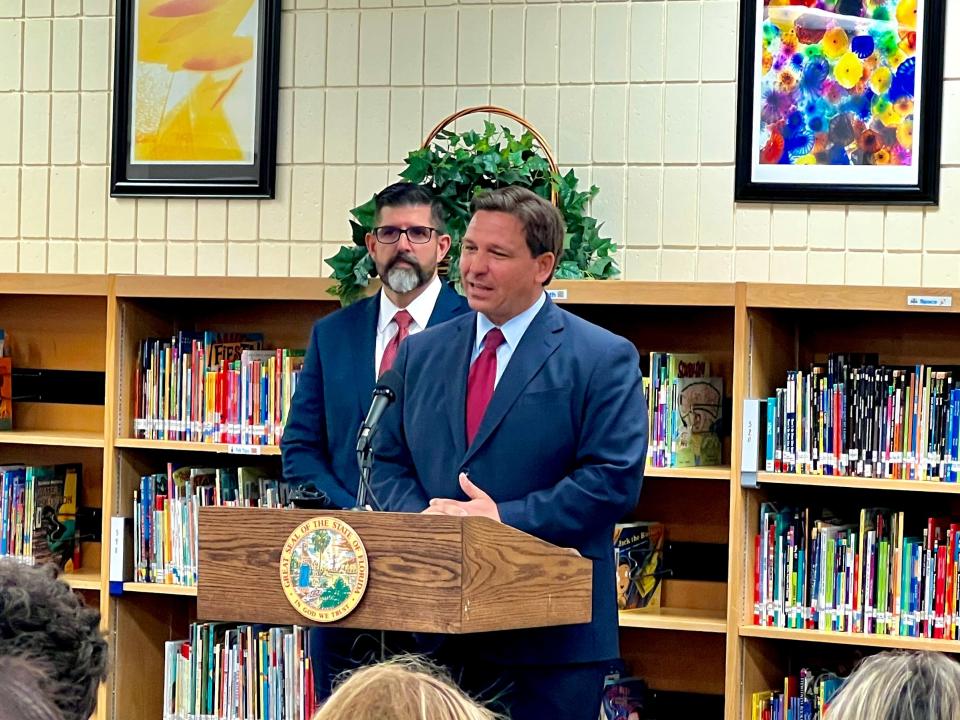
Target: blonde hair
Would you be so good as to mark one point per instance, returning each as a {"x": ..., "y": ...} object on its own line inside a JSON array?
[
  {"x": 900, "y": 686},
  {"x": 403, "y": 688}
]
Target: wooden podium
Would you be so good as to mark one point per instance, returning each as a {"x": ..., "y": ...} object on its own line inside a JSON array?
[{"x": 428, "y": 573}]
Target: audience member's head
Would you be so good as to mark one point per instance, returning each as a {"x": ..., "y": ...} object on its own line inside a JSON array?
[
  {"x": 21, "y": 697},
  {"x": 405, "y": 688},
  {"x": 43, "y": 622},
  {"x": 900, "y": 686}
]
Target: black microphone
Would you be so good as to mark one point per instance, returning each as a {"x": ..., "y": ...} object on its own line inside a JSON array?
[{"x": 384, "y": 394}]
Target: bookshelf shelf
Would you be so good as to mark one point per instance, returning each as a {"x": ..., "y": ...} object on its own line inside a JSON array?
[
  {"x": 837, "y": 638},
  {"x": 61, "y": 438},
  {"x": 179, "y": 446},
  {"x": 765, "y": 478},
  {"x": 158, "y": 589},
  {"x": 707, "y": 621},
  {"x": 85, "y": 579},
  {"x": 720, "y": 472}
]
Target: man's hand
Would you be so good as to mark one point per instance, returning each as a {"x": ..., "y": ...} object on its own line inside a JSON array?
[{"x": 480, "y": 504}]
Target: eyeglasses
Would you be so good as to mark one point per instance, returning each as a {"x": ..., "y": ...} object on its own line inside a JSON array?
[{"x": 419, "y": 234}]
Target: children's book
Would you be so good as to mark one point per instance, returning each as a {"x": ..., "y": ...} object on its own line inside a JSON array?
[
  {"x": 700, "y": 403},
  {"x": 638, "y": 548}
]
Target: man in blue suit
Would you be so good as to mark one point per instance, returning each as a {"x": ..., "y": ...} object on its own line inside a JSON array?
[
  {"x": 350, "y": 348},
  {"x": 531, "y": 416}
]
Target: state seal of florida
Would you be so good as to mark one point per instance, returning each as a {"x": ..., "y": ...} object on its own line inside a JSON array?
[{"x": 324, "y": 569}]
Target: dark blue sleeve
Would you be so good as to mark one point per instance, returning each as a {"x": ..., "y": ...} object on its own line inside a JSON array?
[
  {"x": 394, "y": 478},
  {"x": 305, "y": 444},
  {"x": 605, "y": 483}
]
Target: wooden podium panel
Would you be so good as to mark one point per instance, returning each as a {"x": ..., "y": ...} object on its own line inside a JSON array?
[{"x": 428, "y": 573}]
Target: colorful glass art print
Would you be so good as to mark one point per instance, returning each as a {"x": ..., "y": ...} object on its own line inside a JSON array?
[
  {"x": 195, "y": 99},
  {"x": 840, "y": 101}
]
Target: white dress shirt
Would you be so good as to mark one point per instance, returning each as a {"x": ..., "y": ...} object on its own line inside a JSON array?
[
  {"x": 420, "y": 310},
  {"x": 513, "y": 330}
]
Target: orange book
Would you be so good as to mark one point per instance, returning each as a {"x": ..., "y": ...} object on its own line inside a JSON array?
[{"x": 6, "y": 393}]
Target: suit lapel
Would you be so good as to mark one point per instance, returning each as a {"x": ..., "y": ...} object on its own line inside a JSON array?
[
  {"x": 538, "y": 343},
  {"x": 365, "y": 349},
  {"x": 448, "y": 302},
  {"x": 462, "y": 348}
]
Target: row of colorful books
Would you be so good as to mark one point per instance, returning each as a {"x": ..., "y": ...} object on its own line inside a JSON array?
[
  {"x": 883, "y": 575},
  {"x": 249, "y": 672},
  {"x": 165, "y": 515},
  {"x": 853, "y": 416},
  {"x": 214, "y": 387},
  {"x": 804, "y": 697},
  {"x": 38, "y": 513},
  {"x": 685, "y": 406}
]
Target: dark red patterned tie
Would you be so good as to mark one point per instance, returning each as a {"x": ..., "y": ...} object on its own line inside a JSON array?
[
  {"x": 403, "y": 320},
  {"x": 480, "y": 382}
]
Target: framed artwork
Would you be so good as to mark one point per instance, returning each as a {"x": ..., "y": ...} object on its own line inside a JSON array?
[
  {"x": 195, "y": 98},
  {"x": 840, "y": 101}
]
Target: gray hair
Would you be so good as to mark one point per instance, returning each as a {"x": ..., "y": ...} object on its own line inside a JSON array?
[{"x": 900, "y": 686}]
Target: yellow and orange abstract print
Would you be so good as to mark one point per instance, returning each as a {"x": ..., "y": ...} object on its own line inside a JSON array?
[{"x": 195, "y": 81}]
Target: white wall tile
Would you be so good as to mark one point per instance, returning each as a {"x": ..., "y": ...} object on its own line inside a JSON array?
[
  {"x": 97, "y": 7},
  {"x": 751, "y": 266},
  {"x": 11, "y": 8},
  {"x": 38, "y": 8},
  {"x": 645, "y": 124},
  {"x": 681, "y": 114},
  {"x": 151, "y": 219},
  {"x": 243, "y": 219},
  {"x": 33, "y": 256},
  {"x": 121, "y": 218},
  {"x": 275, "y": 214},
  {"x": 541, "y": 108},
  {"x": 642, "y": 264},
  {"x": 340, "y": 127},
  {"x": 511, "y": 98},
  {"x": 338, "y": 200},
  {"x": 9, "y": 198},
  {"x": 574, "y": 144},
  {"x": 242, "y": 259},
  {"x": 310, "y": 50},
  {"x": 151, "y": 258},
  {"x": 863, "y": 268},
  {"x": 406, "y": 65},
  {"x": 941, "y": 270},
  {"x": 541, "y": 45},
  {"x": 683, "y": 40},
  {"x": 716, "y": 207},
  {"x": 608, "y": 206},
  {"x": 62, "y": 256},
  {"x": 473, "y": 46},
  {"x": 678, "y": 265},
  {"x": 950, "y": 140},
  {"x": 305, "y": 260},
  {"x": 644, "y": 192},
  {"x": 66, "y": 54},
  {"x": 65, "y": 126},
  {"x": 752, "y": 226},
  {"x": 789, "y": 226},
  {"x": 343, "y": 28},
  {"x": 440, "y": 53},
  {"x": 36, "y": 129},
  {"x": 66, "y": 7},
  {"x": 438, "y": 103},
  {"x": 211, "y": 259},
  {"x": 181, "y": 222},
  {"x": 903, "y": 269},
  {"x": 307, "y": 201},
  {"x": 10, "y": 122},
  {"x": 373, "y": 125},
  {"x": 405, "y": 122},
  {"x": 63, "y": 202},
  {"x": 714, "y": 266},
  {"x": 211, "y": 220},
  {"x": 942, "y": 224},
  {"x": 274, "y": 260},
  {"x": 36, "y": 55},
  {"x": 371, "y": 180},
  {"x": 679, "y": 220},
  {"x": 285, "y": 113},
  {"x": 94, "y": 128},
  {"x": 11, "y": 41},
  {"x": 718, "y": 112},
  {"x": 95, "y": 68},
  {"x": 718, "y": 54},
  {"x": 375, "y": 47},
  {"x": 903, "y": 228},
  {"x": 92, "y": 202},
  {"x": 288, "y": 46},
  {"x": 609, "y": 124},
  {"x": 788, "y": 266},
  {"x": 9, "y": 256},
  {"x": 34, "y": 191},
  {"x": 576, "y": 39},
  {"x": 612, "y": 41},
  {"x": 647, "y": 41},
  {"x": 92, "y": 257},
  {"x": 507, "y": 39},
  {"x": 951, "y": 66},
  {"x": 865, "y": 228},
  {"x": 826, "y": 227},
  {"x": 182, "y": 258},
  {"x": 308, "y": 125}
]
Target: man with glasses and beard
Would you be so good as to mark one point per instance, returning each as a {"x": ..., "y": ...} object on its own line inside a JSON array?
[{"x": 352, "y": 347}]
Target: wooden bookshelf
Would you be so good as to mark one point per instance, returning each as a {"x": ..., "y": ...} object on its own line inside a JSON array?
[
  {"x": 858, "y": 639},
  {"x": 84, "y": 579},
  {"x": 689, "y": 620},
  {"x": 62, "y": 438},
  {"x": 160, "y": 589},
  {"x": 720, "y": 472},
  {"x": 836, "y": 481},
  {"x": 182, "y": 446}
]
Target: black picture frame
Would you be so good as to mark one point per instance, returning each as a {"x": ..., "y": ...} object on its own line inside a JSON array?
[
  {"x": 253, "y": 179},
  {"x": 924, "y": 191}
]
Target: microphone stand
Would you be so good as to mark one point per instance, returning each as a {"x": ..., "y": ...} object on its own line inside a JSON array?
[{"x": 365, "y": 461}]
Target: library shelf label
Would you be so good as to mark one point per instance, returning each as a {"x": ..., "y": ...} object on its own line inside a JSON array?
[{"x": 930, "y": 300}]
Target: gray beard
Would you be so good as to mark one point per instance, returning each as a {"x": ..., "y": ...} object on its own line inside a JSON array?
[{"x": 402, "y": 279}]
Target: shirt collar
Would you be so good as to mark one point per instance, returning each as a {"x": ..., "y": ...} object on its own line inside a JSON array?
[
  {"x": 513, "y": 329},
  {"x": 420, "y": 309}
]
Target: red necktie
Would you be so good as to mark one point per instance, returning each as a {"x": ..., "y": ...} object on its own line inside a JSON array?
[
  {"x": 403, "y": 320},
  {"x": 480, "y": 382}
]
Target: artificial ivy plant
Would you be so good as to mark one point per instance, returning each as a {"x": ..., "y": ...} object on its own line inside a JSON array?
[{"x": 457, "y": 167}]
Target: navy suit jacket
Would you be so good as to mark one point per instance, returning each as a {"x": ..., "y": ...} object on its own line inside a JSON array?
[
  {"x": 334, "y": 393},
  {"x": 561, "y": 450}
]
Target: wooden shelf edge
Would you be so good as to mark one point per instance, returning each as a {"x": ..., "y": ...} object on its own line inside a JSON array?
[
  {"x": 53, "y": 284},
  {"x": 638, "y": 292},
  {"x": 838, "y": 638},
  {"x": 225, "y": 288},
  {"x": 83, "y": 580},
  {"x": 180, "y": 445},
  {"x": 718, "y": 472},
  {"x": 708, "y": 621},
  {"x": 856, "y": 482},
  {"x": 65, "y": 438},
  {"x": 837, "y": 297},
  {"x": 159, "y": 589}
]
